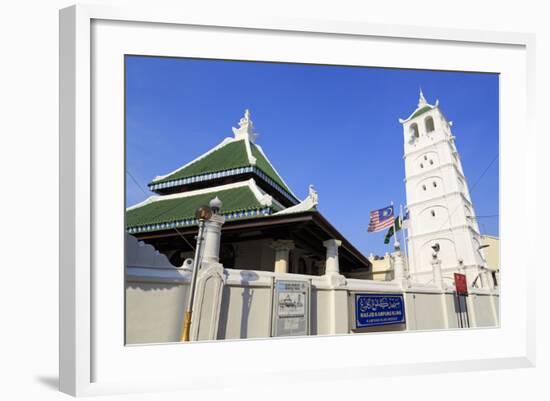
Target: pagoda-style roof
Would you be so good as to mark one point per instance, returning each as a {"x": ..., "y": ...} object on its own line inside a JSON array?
[
  {"x": 241, "y": 200},
  {"x": 234, "y": 159},
  {"x": 256, "y": 202}
]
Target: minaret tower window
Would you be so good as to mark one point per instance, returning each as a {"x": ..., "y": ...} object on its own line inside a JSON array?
[
  {"x": 429, "y": 122},
  {"x": 414, "y": 131}
]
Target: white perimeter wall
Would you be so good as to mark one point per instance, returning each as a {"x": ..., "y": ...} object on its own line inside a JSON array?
[{"x": 156, "y": 301}]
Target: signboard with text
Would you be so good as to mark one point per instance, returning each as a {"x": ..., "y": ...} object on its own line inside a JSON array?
[
  {"x": 460, "y": 284},
  {"x": 291, "y": 308},
  {"x": 373, "y": 310}
]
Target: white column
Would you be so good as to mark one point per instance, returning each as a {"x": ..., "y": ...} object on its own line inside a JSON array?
[
  {"x": 212, "y": 235},
  {"x": 398, "y": 266},
  {"x": 332, "y": 263},
  {"x": 282, "y": 249},
  {"x": 436, "y": 270}
]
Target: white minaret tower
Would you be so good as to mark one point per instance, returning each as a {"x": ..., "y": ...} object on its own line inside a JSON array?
[{"x": 438, "y": 200}]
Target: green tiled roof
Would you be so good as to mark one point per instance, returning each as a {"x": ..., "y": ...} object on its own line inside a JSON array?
[
  {"x": 179, "y": 209},
  {"x": 230, "y": 156},
  {"x": 421, "y": 111}
]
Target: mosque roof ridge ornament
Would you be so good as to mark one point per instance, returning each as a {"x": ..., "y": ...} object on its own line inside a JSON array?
[
  {"x": 421, "y": 100},
  {"x": 422, "y": 107},
  {"x": 246, "y": 128},
  {"x": 308, "y": 204}
]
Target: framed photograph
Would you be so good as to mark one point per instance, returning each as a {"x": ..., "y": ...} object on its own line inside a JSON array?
[{"x": 266, "y": 197}]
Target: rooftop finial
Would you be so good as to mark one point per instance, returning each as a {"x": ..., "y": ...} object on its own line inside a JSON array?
[
  {"x": 246, "y": 128},
  {"x": 313, "y": 194},
  {"x": 421, "y": 99}
]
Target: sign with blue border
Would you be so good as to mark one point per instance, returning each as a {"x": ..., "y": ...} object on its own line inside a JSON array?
[{"x": 379, "y": 310}]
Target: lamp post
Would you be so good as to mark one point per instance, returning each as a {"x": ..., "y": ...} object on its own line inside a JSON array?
[{"x": 203, "y": 213}]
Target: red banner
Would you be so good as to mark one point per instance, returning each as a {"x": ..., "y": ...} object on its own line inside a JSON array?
[{"x": 460, "y": 284}]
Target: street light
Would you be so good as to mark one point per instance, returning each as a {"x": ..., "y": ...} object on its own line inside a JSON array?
[{"x": 203, "y": 213}]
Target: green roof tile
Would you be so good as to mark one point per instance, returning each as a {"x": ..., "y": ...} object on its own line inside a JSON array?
[
  {"x": 232, "y": 155},
  {"x": 421, "y": 111},
  {"x": 176, "y": 209}
]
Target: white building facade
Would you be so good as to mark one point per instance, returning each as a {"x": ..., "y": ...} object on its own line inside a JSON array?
[{"x": 438, "y": 200}]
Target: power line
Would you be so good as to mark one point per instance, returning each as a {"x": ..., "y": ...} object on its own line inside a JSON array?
[
  {"x": 137, "y": 183},
  {"x": 471, "y": 189},
  {"x": 146, "y": 194}
]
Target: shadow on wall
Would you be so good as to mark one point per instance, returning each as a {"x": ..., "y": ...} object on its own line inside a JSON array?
[
  {"x": 247, "y": 297},
  {"x": 246, "y": 278}
]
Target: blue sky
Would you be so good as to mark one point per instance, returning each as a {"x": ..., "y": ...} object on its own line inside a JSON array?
[{"x": 332, "y": 126}]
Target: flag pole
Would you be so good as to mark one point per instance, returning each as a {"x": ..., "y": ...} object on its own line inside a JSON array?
[
  {"x": 394, "y": 228},
  {"x": 403, "y": 235}
]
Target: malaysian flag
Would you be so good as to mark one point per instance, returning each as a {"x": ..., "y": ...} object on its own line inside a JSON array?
[{"x": 381, "y": 219}]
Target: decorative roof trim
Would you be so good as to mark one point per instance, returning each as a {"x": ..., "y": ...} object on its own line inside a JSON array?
[
  {"x": 251, "y": 159},
  {"x": 238, "y": 214},
  {"x": 308, "y": 204},
  {"x": 201, "y": 177},
  {"x": 246, "y": 128},
  {"x": 227, "y": 173}
]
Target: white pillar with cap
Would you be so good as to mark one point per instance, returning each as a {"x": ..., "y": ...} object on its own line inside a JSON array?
[
  {"x": 212, "y": 233},
  {"x": 332, "y": 262},
  {"x": 282, "y": 250},
  {"x": 398, "y": 264}
]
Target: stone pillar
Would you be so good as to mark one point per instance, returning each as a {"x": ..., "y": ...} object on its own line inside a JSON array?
[
  {"x": 332, "y": 263},
  {"x": 436, "y": 270},
  {"x": 212, "y": 235},
  {"x": 398, "y": 265},
  {"x": 282, "y": 249}
]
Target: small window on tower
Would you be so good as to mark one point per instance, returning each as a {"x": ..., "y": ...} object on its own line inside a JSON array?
[
  {"x": 424, "y": 187},
  {"x": 435, "y": 184},
  {"x": 433, "y": 213},
  {"x": 414, "y": 131},
  {"x": 421, "y": 165},
  {"x": 431, "y": 161},
  {"x": 425, "y": 157},
  {"x": 429, "y": 124}
]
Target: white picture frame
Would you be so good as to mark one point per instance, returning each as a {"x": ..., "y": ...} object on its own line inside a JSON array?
[{"x": 91, "y": 362}]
